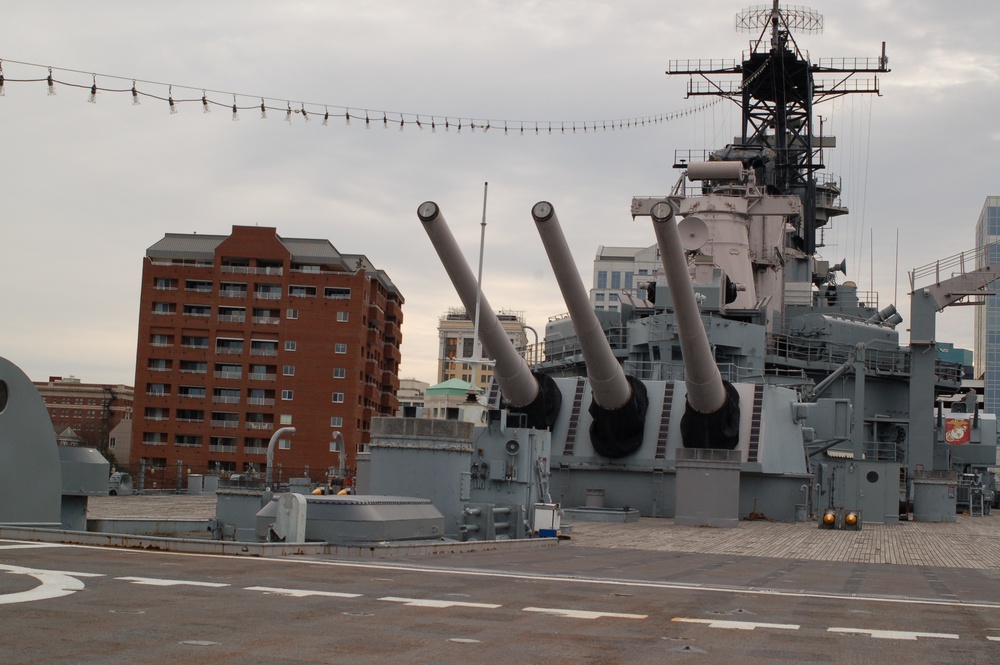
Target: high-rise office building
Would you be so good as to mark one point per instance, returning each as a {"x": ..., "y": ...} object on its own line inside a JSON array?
[
  {"x": 987, "y": 335},
  {"x": 244, "y": 334}
]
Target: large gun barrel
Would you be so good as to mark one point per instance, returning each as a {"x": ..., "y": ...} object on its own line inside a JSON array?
[
  {"x": 711, "y": 418},
  {"x": 536, "y": 395},
  {"x": 619, "y": 401}
]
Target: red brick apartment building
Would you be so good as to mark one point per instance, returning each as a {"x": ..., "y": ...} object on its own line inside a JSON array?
[
  {"x": 91, "y": 410},
  {"x": 241, "y": 335}
]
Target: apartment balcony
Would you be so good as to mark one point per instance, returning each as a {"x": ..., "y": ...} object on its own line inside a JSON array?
[
  {"x": 154, "y": 443},
  {"x": 267, "y": 295},
  {"x": 191, "y": 395},
  {"x": 158, "y": 394},
  {"x": 230, "y": 375},
  {"x": 232, "y": 318},
  {"x": 184, "y": 444},
  {"x": 222, "y": 449},
  {"x": 260, "y": 401},
  {"x": 224, "y": 399},
  {"x": 159, "y": 418},
  {"x": 190, "y": 420},
  {"x": 254, "y": 450},
  {"x": 264, "y": 352},
  {"x": 266, "y": 320},
  {"x": 256, "y": 376},
  {"x": 260, "y": 426},
  {"x": 226, "y": 424},
  {"x": 229, "y": 351},
  {"x": 232, "y": 293}
]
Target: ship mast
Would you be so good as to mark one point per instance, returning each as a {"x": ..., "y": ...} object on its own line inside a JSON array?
[{"x": 776, "y": 93}]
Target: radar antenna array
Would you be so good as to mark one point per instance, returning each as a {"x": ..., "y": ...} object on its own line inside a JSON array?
[{"x": 758, "y": 17}]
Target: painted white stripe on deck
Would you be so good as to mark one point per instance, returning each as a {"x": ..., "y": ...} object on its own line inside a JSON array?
[
  {"x": 26, "y": 546},
  {"x": 737, "y": 625},
  {"x": 53, "y": 584},
  {"x": 993, "y": 638},
  {"x": 442, "y": 604},
  {"x": 153, "y": 581},
  {"x": 301, "y": 593},
  {"x": 892, "y": 634},
  {"x": 582, "y": 614}
]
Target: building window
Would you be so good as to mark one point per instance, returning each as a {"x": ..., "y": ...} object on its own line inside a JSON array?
[
  {"x": 284, "y": 444},
  {"x": 335, "y": 446},
  {"x": 602, "y": 279},
  {"x": 616, "y": 280},
  {"x": 302, "y": 291},
  {"x": 336, "y": 421},
  {"x": 291, "y": 313},
  {"x": 613, "y": 297},
  {"x": 340, "y": 347},
  {"x": 339, "y": 373},
  {"x": 599, "y": 297},
  {"x": 287, "y": 395},
  {"x": 338, "y": 398},
  {"x": 629, "y": 278},
  {"x": 288, "y": 370},
  {"x": 342, "y": 317},
  {"x": 290, "y": 345},
  {"x": 285, "y": 419}
]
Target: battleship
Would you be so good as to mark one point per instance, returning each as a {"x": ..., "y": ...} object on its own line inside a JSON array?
[{"x": 746, "y": 380}]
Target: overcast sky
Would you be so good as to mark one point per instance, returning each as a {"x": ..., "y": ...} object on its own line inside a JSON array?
[{"x": 87, "y": 188}]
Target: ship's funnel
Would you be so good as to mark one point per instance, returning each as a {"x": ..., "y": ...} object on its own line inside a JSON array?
[
  {"x": 619, "y": 401},
  {"x": 712, "y": 415},
  {"x": 535, "y": 395}
]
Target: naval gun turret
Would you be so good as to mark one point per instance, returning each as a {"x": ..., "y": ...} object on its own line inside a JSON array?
[
  {"x": 619, "y": 401},
  {"x": 532, "y": 394},
  {"x": 712, "y": 411}
]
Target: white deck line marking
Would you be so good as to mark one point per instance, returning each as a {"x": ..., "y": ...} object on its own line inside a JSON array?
[
  {"x": 26, "y": 546},
  {"x": 301, "y": 593},
  {"x": 583, "y": 614},
  {"x": 737, "y": 625},
  {"x": 442, "y": 604},
  {"x": 993, "y": 638},
  {"x": 153, "y": 581},
  {"x": 892, "y": 634},
  {"x": 54, "y": 584}
]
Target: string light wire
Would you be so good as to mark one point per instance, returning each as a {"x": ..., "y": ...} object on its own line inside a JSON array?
[{"x": 270, "y": 104}]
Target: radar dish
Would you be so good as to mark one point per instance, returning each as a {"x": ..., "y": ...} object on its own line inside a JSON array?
[
  {"x": 758, "y": 17},
  {"x": 694, "y": 233}
]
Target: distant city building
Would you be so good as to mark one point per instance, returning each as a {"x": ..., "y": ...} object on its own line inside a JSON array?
[
  {"x": 987, "y": 334},
  {"x": 455, "y": 332},
  {"x": 85, "y": 414},
  {"x": 241, "y": 335},
  {"x": 964, "y": 357},
  {"x": 453, "y": 399},
  {"x": 622, "y": 269},
  {"x": 411, "y": 396}
]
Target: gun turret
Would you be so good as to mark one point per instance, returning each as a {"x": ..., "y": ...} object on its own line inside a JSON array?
[
  {"x": 535, "y": 395},
  {"x": 619, "y": 402},
  {"x": 712, "y": 413}
]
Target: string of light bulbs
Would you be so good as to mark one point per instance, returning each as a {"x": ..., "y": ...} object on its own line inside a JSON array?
[{"x": 309, "y": 110}]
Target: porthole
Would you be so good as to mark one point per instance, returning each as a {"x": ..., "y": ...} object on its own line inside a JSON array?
[{"x": 872, "y": 477}]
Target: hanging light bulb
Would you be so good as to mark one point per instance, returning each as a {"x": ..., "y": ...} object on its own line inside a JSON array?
[
  {"x": 347, "y": 117},
  {"x": 135, "y": 95},
  {"x": 236, "y": 114},
  {"x": 433, "y": 126},
  {"x": 326, "y": 116},
  {"x": 400, "y": 123},
  {"x": 2, "y": 93},
  {"x": 288, "y": 113},
  {"x": 419, "y": 126},
  {"x": 170, "y": 99},
  {"x": 368, "y": 122},
  {"x": 263, "y": 110},
  {"x": 204, "y": 103},
  {"x": 305, "y": 116},
  {"x": 52, "y": 84},
  {"x": 92, "y": 97},
  {"x": 385, "y": 122}
]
